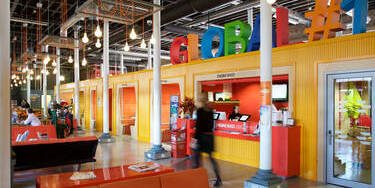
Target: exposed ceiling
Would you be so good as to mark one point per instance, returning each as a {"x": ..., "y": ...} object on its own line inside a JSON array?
[{"x": 178, "y": 18}]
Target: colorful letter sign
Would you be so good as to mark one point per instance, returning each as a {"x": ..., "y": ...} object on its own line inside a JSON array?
[
  {"x": 254, "y": 43},
  {"x": 231, "y": 38},
  {"x": 175, "y": 52},
  {"x": 360, "y": 14},
  {"x": 206, "y": 45}
]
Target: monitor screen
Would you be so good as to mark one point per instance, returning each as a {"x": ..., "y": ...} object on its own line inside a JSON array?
[
  {"x": 216, "y": 116},
  {"x": 280, "y": 92},
  {"x": 219, "y": 96},
  {"x": 244, "y": 118}
]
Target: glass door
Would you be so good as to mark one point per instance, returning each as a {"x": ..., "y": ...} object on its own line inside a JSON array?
[{"x": 350, "y": 99}]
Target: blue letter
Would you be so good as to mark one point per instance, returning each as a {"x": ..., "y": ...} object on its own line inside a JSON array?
[
  {"x": 360, "y": 14},
  {"x": 206, "y": 45},
  {"x": 254, "y": 43}
]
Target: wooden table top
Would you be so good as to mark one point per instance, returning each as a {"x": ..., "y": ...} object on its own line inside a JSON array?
[{"x": 103, "y": 175}]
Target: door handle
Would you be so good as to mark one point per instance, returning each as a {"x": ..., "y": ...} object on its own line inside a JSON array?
[{"x": 330, "y": 137}]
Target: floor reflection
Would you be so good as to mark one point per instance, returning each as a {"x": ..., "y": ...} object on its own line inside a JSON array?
[{"x": 126, "y": 150}]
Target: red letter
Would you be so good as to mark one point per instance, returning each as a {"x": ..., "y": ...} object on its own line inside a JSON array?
[
  {"x": 282, "y": 24},
  {"x": 175, "y": 52}
]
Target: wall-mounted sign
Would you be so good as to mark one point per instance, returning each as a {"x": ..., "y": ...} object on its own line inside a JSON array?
[
  {"x": 238, "y": 32},
  {"x": 226, "y": 75},
  {"x": 173, "y": 115}
]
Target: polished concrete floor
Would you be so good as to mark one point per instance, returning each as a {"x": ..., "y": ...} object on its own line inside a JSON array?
[{"x": 126, "y": 150}]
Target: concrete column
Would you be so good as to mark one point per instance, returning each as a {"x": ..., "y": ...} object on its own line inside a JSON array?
[
  {"x": 264, "y": 176},
  {"x": 28, "y": 86},
  {"x": 45, "y": 107},
  {"x": 106, "y": 137},
  {"x": 149, "y": 52},
  {"x": 157, "y": 151},
  {"x": 5, "y": 174},
  {"x": 58, "y": 75},
  {"x": 122, "y": 63},
  {"x": 76, "y": 77}
]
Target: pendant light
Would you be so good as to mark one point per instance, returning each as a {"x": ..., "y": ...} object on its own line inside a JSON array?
[
  {"x": 20, "y": 82},
  {"x": 54, "y": 71},
  {"x": 98, "y": 32},
  {"x": 126, "y": 47},
  {"x": 24, "y": 81},
  {"x": 133, "y": 35},
  {"x": 84, "y": 61},
  {"x": 47, "y": 72},
  {"x": 13, "y": 76},
  {"x": 85, "y": 39},
  {"x": 98, "y": 44},
  {"x": 38, "y": 77},
  {"x": 143, "y": 43},
  {"x": 54, "y": 63},
  {"x": 31, "y": 78},
  {"x": 62, "y": 78},
  {"x": 70, "y": 60},
  {"x": 16, "y": 85}
]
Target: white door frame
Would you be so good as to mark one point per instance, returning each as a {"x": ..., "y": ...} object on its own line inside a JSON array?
[
  {"x": 177, "y": 80},
  {"x": 323, "y": 69},
  {"x": 118, "y": 106},
  {"x": 91, "y": 108}
]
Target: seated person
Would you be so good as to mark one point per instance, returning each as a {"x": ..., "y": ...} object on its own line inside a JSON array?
[
  {"x": 31, "y": 119},
  {"x": 25, "y": 104},
  {"x": 14, "y": 117},
  {"x": 235, "y": 115}
]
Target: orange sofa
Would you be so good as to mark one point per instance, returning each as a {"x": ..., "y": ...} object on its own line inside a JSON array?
[
  {"x": 194, "y": 178},
  {"x": 33, "y": 131}
]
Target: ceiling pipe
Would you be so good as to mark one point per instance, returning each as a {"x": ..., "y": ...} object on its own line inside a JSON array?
[
  {"x": 182, "y": 30},
  {"x": 22, "y": 20},
  {"x": 136, "y": 54}
]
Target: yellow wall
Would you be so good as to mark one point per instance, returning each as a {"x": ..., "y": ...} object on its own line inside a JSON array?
[{"x": 303, "y": 57}]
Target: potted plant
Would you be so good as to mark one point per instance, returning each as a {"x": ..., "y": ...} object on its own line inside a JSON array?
[{"x": 187, "y": 106}]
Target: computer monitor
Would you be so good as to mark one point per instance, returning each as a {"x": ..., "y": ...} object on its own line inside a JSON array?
[
  {"x": 280, "y": 92},
  {"x": 216, "y": 116},
  {"x": 244, "y": 118}
]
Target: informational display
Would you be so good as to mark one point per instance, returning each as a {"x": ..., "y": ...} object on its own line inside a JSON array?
[
  {"x": 35, "y": 101},
  {"x": 280, "y": 92},
  {"x": 174, "y": 109}
]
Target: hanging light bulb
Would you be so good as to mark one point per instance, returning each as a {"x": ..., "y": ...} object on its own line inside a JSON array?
[
  {"x": 98, "y": 32},
  {"x": 98, "y": 44},
  {"x": 133, "y": 35},
  {"x": 143, "y": 43},
  {"x": 14, "y": 81},
  {"x": 13, "y": 76},
  {"x": 54, "y": 71},
  {"x": 152, "y": 39},
  {"x": 84, "y": 61},
  {"x": 20, "y": 82},
  {"x": 24, "y": 81},
  {"x": 126, "y": 47},
  {"x": 47, "y": 72},
  {"x": 271, "y": 1},
  {"x": 54, "y": 63},
  {"x": 38, "y": 77},
  {"x": 31, "y": 78},
  {"x": 85, "y": 39},
  {"x": 31, "y": 72},
  {"x": 17, "y": 78},
  {"x": 11, "y": 85},
  {"x": 16, "y": 85},
  {"x": 46, "y": 60},
  {"x": 70, "y": 59},
  {"x": 62, "y": 78}
]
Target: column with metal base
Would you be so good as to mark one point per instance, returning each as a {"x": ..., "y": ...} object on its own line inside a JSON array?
[
  {"x": 157, "y": 151},
  {"x": 105, "y": 137},
  {"x": 58, "y": 75},
  {"x": 77, "y": 115},
  {"x": 264, "y": 177},
  {"x": 28, "y": 85},
  {"x": 45, "y": 106},
  {"x": 5, "y": 167}
]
